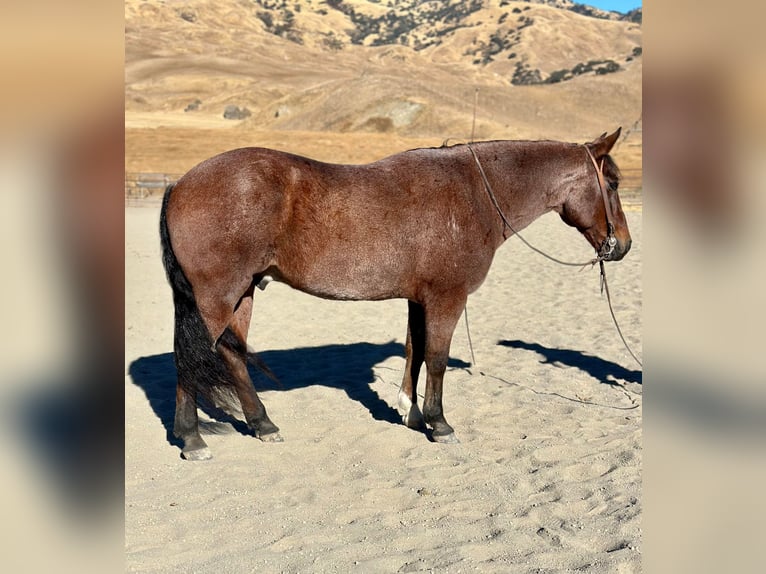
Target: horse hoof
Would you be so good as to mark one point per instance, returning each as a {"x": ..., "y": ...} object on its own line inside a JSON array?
[
  {"x": 271, "y": 437},
  {"x": 197, "y": 454},
  {"x": 446, "y": 438}
]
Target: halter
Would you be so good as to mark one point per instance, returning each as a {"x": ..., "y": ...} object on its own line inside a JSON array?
[{"x": 610, "y": 241}]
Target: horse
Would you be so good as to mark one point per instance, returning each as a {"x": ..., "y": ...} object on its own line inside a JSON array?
[{"x": 422, "y": 225}]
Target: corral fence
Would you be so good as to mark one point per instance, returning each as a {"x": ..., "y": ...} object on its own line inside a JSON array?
[
  {"x": 631, "y": 186},
  {"x": 631, "y": 179},
  {"x": 147, "y": 185}
]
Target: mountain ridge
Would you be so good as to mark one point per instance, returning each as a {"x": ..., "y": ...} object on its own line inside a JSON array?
[{"x": 539, "y": 70}]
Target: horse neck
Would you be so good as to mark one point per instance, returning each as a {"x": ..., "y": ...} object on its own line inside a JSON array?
[{"x": 525, "y": 177}]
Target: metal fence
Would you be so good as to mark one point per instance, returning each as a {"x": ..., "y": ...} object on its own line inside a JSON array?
[{"x": 144, "y": 185}]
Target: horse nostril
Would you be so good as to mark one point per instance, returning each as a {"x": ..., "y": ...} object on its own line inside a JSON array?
[{"x": 622, "y": 250}]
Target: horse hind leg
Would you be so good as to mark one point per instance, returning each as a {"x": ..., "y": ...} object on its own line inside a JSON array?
[
  {"x": 415, "y": 351},
  {"x": 199, "y": 368},
  {"x": 233, "y": 349},
  {"x": 186, "y": 426},
  {"x": 216, "y": 371}
]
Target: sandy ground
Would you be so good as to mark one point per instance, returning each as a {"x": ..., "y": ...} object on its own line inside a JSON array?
[{"x": 547, "y": 477}]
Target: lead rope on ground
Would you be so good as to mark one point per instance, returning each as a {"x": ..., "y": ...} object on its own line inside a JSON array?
[{"x": 599, "y": 259}]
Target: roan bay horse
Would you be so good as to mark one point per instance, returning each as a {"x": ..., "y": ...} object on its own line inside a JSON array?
[{"x": 422, "y": 225}]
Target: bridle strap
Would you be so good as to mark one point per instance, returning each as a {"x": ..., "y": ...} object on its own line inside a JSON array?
[{"x": 602, "y": 187}]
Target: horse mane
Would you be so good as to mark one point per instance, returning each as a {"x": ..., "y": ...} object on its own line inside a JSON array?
[
  {"x": 446, "y": 144},
  {"x": 611, "y": 172}
]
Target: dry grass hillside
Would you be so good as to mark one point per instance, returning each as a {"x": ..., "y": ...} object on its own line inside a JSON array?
[{"x": 354, "y": 80}]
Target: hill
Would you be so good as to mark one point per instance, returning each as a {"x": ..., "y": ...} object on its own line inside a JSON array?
[{"x": 397, "y": 72}]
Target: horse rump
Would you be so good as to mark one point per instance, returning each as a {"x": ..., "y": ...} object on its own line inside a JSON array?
[{"x": 202, "y": 372}]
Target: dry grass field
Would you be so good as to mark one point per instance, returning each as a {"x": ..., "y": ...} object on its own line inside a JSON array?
[{"x": 315, "y": 84}]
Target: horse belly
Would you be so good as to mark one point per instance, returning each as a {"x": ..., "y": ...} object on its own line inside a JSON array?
[
  {"x": 345, "y": 273},
  {"x": 389, "y": 268},
  {"x": 385, "y": 243}
]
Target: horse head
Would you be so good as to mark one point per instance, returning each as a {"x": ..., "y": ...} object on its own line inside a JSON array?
[{"x": 593, "y": 205}]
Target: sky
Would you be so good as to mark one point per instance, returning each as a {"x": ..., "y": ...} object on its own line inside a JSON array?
[{"x": 616, "y": 5}]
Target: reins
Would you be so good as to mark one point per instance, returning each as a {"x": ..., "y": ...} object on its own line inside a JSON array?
[
  {"x": 605, "y": 288},
  {"x": 603, "y": 253}
]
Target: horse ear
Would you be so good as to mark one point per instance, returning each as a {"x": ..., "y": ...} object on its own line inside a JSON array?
[{"x": 603, "y": 144}]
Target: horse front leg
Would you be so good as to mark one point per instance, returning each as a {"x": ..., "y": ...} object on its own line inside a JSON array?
[
  {"x": 441, "y": 318},
  {"x": 415, "y": 350}
]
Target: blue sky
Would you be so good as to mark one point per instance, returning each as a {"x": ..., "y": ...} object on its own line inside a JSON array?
[{"x": 616, "y": 5}]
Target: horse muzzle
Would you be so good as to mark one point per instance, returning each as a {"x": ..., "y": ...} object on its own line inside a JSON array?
[{"x": 612, "y": 249}]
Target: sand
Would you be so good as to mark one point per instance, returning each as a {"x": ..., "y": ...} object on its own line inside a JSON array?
[{"x": 546, "y": 478}]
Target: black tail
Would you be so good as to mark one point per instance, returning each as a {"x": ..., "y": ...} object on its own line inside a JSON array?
[{"x": 201, "y": 370}]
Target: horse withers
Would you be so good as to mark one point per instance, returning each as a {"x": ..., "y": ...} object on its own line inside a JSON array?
[{"x": 422, "y": 225}]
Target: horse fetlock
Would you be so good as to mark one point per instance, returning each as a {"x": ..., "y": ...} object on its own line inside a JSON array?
[
  {"x": 414, "y": 418},
  {"x": 411, "y": 415},
  {"x": 403, "y": 402},
  {"x": 191, "y": 439}
]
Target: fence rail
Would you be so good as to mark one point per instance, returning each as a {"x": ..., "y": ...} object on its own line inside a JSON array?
[
  {"x": 631, "y": 180},
  {"x": 144, "y": 185}
]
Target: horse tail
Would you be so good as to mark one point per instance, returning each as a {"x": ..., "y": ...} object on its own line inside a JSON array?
[{"x": 201, "y": 369}]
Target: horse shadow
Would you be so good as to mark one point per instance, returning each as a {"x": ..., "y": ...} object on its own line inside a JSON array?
[
  {"x": 605, "y": 371},
  {"x": 348, "y": 367}
]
